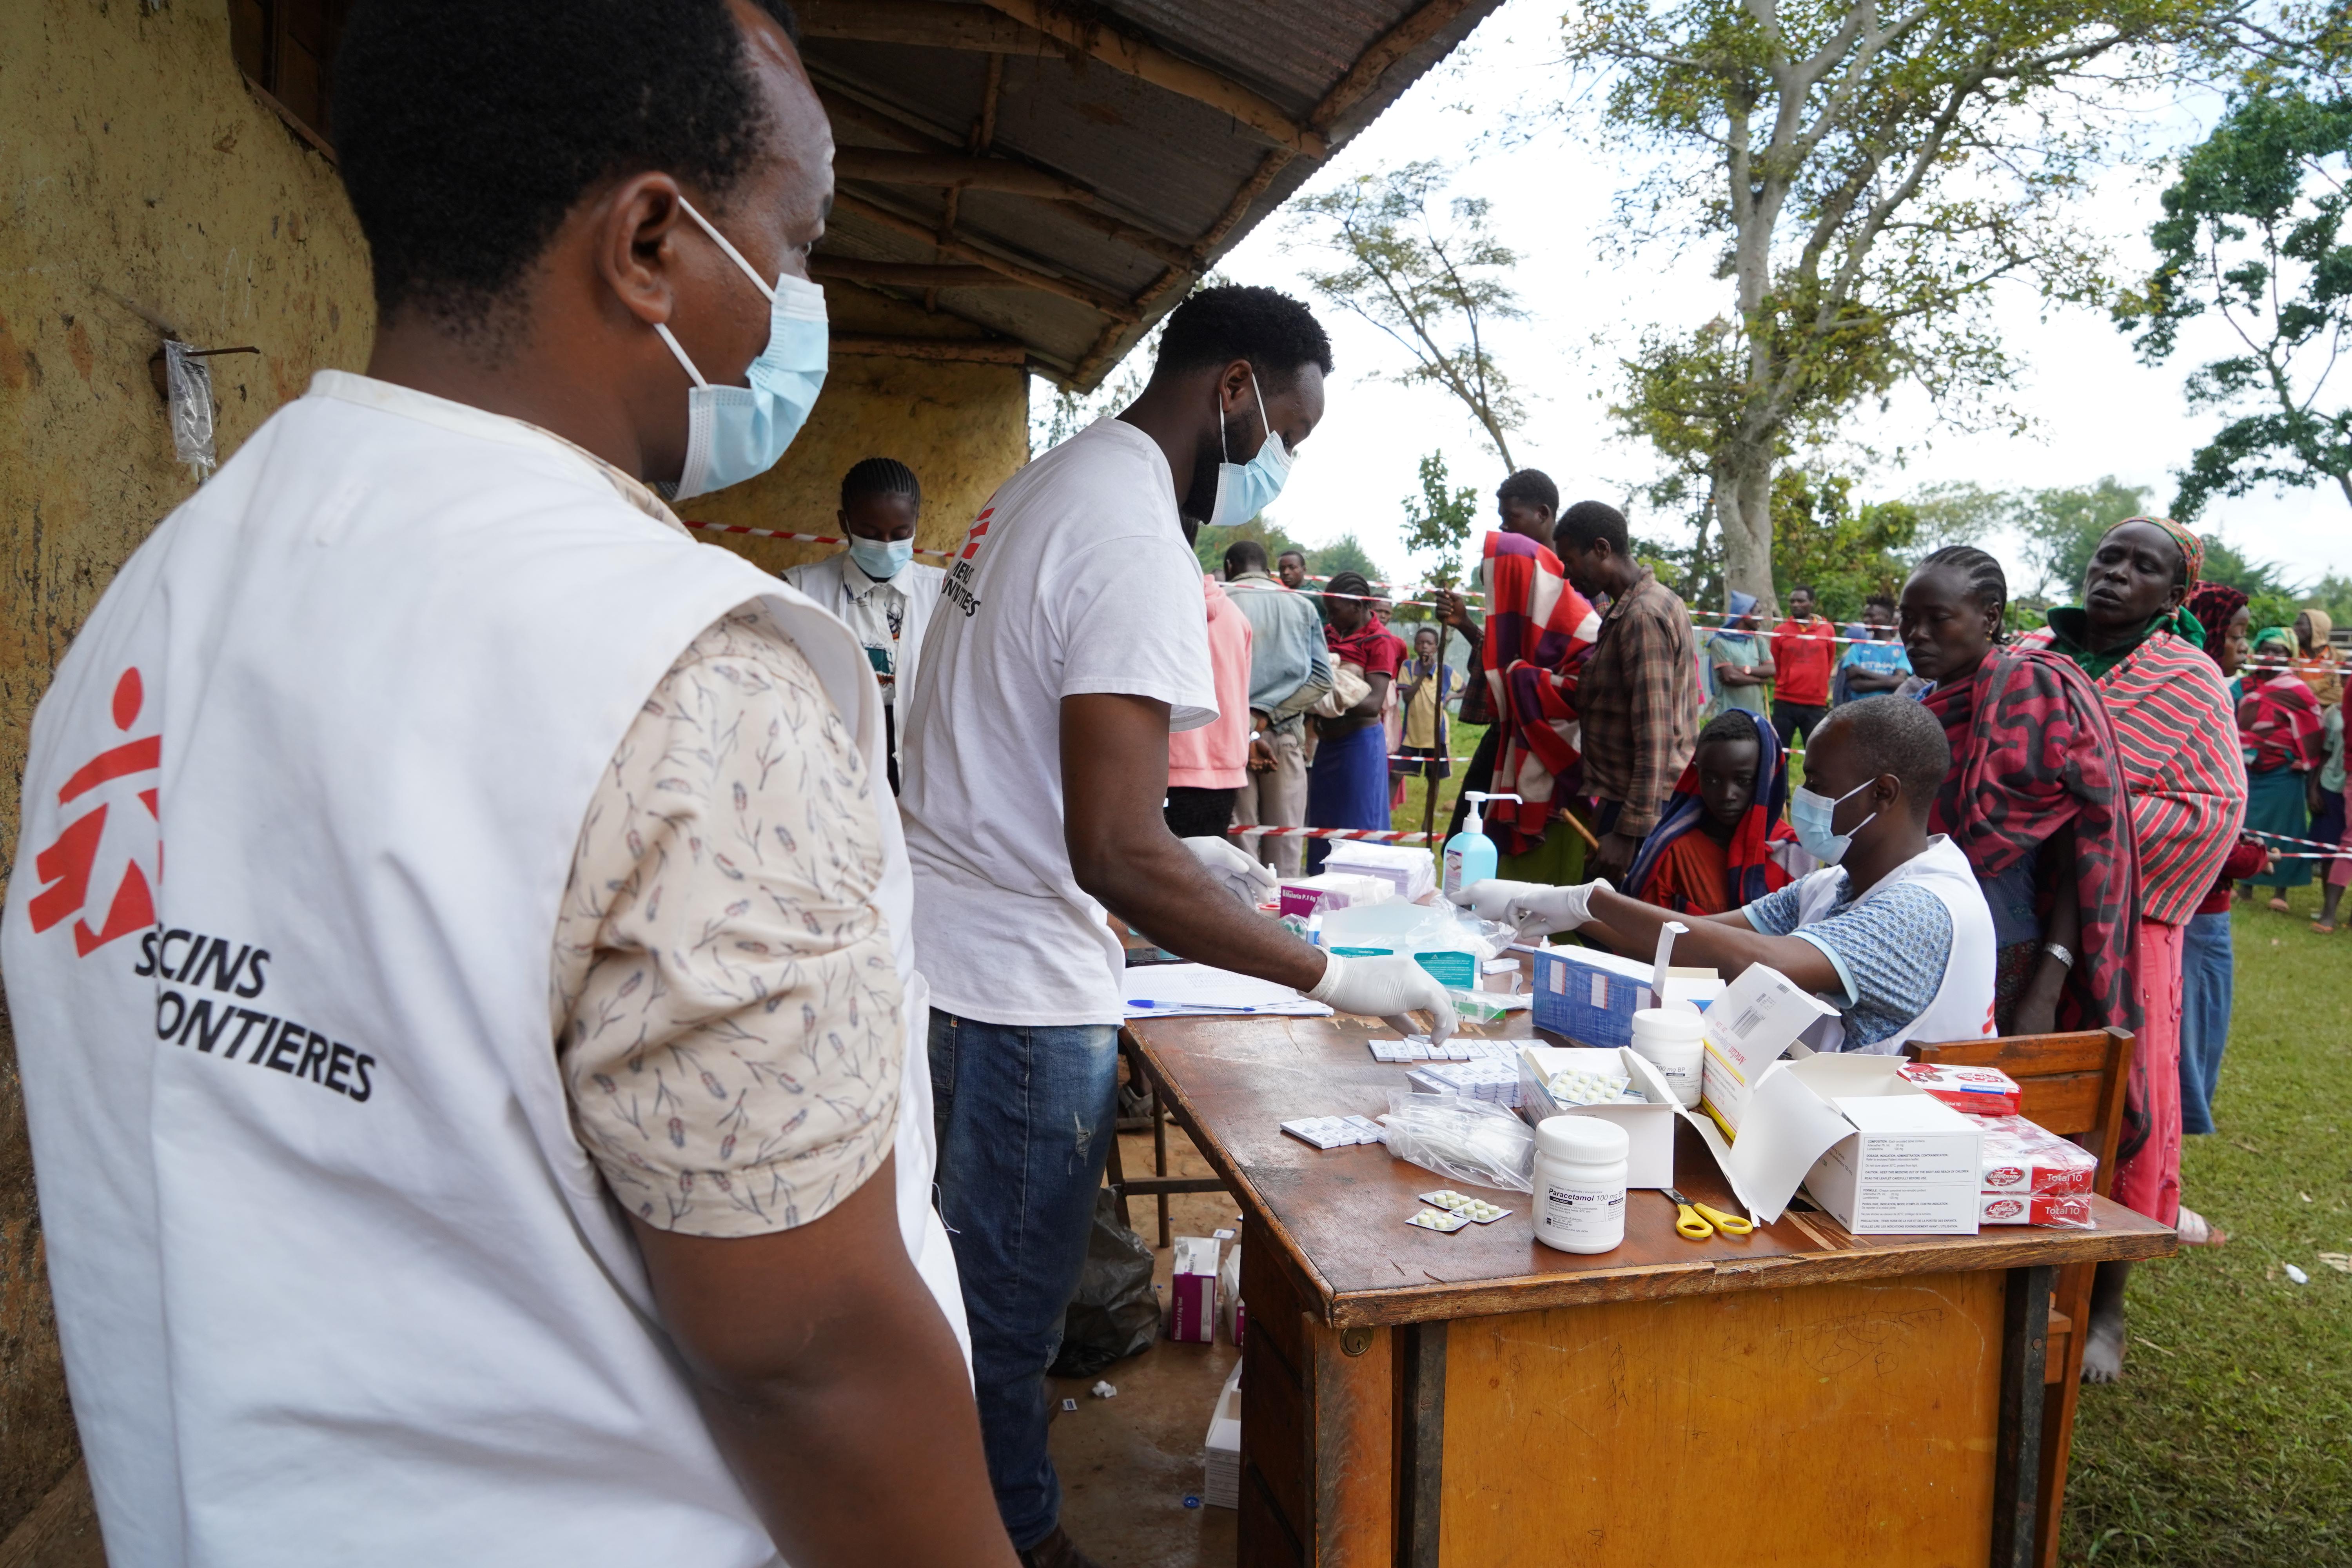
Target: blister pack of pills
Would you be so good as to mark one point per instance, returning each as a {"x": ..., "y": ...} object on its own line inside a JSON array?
[
  {"x": 1445, "y": 1220},
  {"x": 1335, "y": 1131},
  {"x": 1462, "y": 1204},
  {"x": 1580, "y": 1086}
]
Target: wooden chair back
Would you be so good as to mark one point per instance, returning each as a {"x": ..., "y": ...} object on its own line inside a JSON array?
[{"x": 2072, "y": 1085}]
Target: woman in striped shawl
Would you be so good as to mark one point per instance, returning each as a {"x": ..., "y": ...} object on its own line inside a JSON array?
[{"x": 2174, "y": 726}]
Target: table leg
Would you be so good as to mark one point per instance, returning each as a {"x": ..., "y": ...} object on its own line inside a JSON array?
[
  {"x": 1421, "y": 1443},
  {"x": 2016, "y": 1447}
]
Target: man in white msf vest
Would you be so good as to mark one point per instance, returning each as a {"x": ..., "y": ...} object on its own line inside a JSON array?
[
  {"x": 487, "y": 1136},
  {"x": 1893, "y": 930}
]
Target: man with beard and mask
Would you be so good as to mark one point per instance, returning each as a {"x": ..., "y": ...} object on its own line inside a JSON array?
[
  {"x": 436, "y": 1167},
  {"x": 1067, "y": 644}
]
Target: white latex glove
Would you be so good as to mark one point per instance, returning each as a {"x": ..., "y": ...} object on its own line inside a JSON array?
[
  {"x": 1243, "y": 875},
  {"x": 1491, "y": 900},
  {"x": 1540, "y": 910},
  {"x": 1388, "y": 988}
]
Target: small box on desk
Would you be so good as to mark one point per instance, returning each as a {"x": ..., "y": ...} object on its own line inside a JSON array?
[
  {"x": 1590, "y": 995},
  {"x": 1192, "y": 1290}
]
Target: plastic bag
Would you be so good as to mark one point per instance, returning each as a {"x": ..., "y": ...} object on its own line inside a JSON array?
[
  {"x": 190, "y": 383},
  {"x": 1116, "y": 1313},
  {"x": 1463, "y": 1139}
]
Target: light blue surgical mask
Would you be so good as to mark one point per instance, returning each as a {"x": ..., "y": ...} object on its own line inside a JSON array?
[
  {"x": 881, "y": 558},
  {"x": 1245, "y": 489},
  {"x": 1814, "y": 815},
  {"x": 736, "y": 432}
]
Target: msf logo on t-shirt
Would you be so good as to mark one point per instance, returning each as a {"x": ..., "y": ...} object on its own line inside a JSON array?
[
  {"x": 958, "y": 586},
  {"x": 110, "y": 857}
]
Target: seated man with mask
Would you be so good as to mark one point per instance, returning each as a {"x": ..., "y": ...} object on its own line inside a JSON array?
[{"x": 1892, "y": 931}]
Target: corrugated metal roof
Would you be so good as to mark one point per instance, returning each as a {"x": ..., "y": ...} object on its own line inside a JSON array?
[{"x": 1144, "y": 138}]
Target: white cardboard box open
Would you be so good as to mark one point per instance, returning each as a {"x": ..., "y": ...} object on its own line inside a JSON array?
[
  {"x": 1904, "y": 1161},
  {"x": 1649, "y": 1128}
]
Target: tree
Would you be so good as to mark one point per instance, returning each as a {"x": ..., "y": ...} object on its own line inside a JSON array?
[
  {"x": 1870, "y": 176},
  {"x": 2062, "y": 527},
  {"x": 1438, "y": 525},
  {"x": 1431, "y": 289},
  {"x": 1845, "y": 552},
  {"x": 2253, "y": 232},
  {"x": 1211, "y": 544}
]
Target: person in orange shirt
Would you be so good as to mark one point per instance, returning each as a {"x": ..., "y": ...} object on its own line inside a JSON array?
[
  {"x": 1804, "y": 651},
  {"x": 1713, "y": 849}
]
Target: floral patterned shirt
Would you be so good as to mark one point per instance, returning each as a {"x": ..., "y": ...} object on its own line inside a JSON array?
[{"x": 725, "y": 1003}]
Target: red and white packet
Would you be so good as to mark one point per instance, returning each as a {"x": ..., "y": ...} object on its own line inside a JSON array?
[
  {"x": 2022, "y": 1159},
  {"x": 2059, "y": 1211},
  {"x": 1980, "y": 1091}
]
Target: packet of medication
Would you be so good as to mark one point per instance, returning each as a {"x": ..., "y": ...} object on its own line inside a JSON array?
[{"x": 1439, "y": 1220}]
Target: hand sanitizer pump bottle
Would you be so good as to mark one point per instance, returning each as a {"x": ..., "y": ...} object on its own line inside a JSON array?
[{"x": 1470, "y": 854}]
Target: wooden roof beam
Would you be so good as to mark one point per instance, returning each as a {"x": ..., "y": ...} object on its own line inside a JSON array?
[
  {"x": 1391, "y": 47},
  {"x": 907, "y": 274},
  {"x": 979, "y": 351},
  {"x": 979, "y": 173},
  {"x": 1101, "y": 299},
  {"x": 925, "y": 23}
]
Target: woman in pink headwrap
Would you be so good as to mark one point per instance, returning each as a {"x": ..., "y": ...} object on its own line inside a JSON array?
[{"x": 2175, "y": 729}]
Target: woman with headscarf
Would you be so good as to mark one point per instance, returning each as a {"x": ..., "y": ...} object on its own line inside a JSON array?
[
  {"x": 2321, "y": 667},
  {"x": 2284, "y": 734},
  {"x": 1347, "y": 783},
  {"x": 1712, "y": 850},
  {"x": 2208, "y": 963},
  {"x": 2034, "y": 799},
  {"x": 2145, "y": 655}
]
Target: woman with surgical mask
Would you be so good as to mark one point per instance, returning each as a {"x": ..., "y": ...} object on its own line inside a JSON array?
[{"x": 876, "y": 586}]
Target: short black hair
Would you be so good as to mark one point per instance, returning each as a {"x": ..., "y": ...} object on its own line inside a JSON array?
[
  {"x": 1287, "y": 555},
  {"x": 1988, "y": 585},
  {"x": 1531, "y": 485},
  {"x": 1243, "y": 556},
  {"x": 1734, "y": 725},
  {"x": 1350, "y": 584},
  {"x": 1897, "y": 735},
  {"x": 880, "y": 477},
  {"x": 1265, "y": 326},
  {"x": 467, "y": 130},
  {"x": 1588, "y": 520},
  {"x": 1885, "y": 601},
  {"x": 1805, "y": 588}
]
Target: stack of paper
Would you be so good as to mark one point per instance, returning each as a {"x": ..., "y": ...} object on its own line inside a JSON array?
[
  {"x": 1185, "y": 990},
  {"x": 1222, "y": 1457}
]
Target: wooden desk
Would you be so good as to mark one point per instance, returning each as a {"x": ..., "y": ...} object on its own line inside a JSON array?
[{"x": 1801, "y": 1396}]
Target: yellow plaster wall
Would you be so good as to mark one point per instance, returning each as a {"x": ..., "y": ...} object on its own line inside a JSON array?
[{"x": 140, "y": 182}]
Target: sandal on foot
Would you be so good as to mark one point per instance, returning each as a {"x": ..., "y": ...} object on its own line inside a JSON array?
[
  {"x": 2325, "y": 928},
  {"x": 2279, "y": 906}
]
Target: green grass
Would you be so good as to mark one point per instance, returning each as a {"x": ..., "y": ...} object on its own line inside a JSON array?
[
  {"x": 2229, "y": 1440},
  {"x": 1461, "y": 741}
]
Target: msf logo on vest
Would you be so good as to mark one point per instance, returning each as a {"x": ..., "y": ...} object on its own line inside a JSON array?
[
  {"x": 958, "y": 588},
  {"x": 110, "y": 856}
]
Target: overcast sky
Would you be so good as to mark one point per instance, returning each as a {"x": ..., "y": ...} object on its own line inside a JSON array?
[{"x": 2098, "y": 410}]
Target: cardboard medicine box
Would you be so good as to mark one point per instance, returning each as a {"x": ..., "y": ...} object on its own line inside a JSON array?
[
  {"x": 1192, "y": 1290},
  {"x": 1910, "y": 1165},
  {"x": 1749, "y": 1028},
  {"x": 1649, "y": 1127},
  {"x": 1589, "y": 995}
]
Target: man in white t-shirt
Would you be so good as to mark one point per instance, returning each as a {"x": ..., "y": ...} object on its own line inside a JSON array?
[
  {"x": 1068, "y": 644},
  {"x": 495, "y": 1142}
]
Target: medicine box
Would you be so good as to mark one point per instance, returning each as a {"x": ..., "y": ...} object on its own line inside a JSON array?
[
  {"x": 1412, "y": 872},
  {"x": 1979, "y": 1092},
  {"x": 1587, "y": 995},
  {"x": 1220, "y": 1480},
  {"x": 1649, "y": 1127},
  {"x": 1909, "y": 1167},
  {"x": 1759, "y": 1017},
  {"x": 1333, "y": 891},
  {"x": 1192, "y": 1290}
]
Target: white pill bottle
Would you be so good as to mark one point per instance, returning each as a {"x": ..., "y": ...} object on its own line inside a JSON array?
[
  {"x": 1580, "y": 1180},
  {"x": 1670, "y": 1038}
]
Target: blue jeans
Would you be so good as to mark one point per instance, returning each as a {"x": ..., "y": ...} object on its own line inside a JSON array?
[
  {"x": 2206, "y": 986},
  {"x": 1025, "y": 1119}
]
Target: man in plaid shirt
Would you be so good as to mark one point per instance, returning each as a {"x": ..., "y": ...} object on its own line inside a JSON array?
[{"x": 1639, "y": 697}]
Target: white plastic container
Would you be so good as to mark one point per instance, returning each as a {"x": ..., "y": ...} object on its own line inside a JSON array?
[
  {"x": 1673, "y": 1040},
  {"x": 1579, "y": 1181}
]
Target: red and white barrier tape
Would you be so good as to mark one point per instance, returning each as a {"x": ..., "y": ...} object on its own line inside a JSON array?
[
  {"x": 2327, "y": 851},
  {"x": 796, "y": 538},
  {"x": 1374, "y": 836}
]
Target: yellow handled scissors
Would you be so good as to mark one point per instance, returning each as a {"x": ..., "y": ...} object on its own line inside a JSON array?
[{"x": 1696, "y": 1221}]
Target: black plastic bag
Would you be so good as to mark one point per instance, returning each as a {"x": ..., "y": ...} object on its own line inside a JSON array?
[{"x": 1116, "y": 1313}]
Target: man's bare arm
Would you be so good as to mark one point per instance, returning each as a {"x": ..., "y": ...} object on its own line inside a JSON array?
[
  {"x": 1725, "y": 943},
  {"x": 1114, "y": 780},
  {"x": 829, "y": 1378}
]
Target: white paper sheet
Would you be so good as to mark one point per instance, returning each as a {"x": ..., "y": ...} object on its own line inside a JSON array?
[{"x": 1182, "y": 990}]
